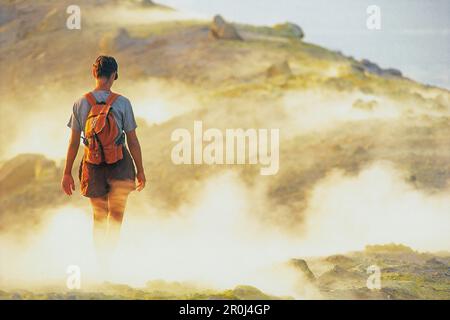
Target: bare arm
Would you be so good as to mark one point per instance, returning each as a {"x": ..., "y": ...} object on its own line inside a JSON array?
[
  {"x": 67, "y": 183},
  {"x": 135, "y": 150}
]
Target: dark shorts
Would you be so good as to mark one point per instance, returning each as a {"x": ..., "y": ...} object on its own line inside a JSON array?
[{"x": 96, "y": 179}]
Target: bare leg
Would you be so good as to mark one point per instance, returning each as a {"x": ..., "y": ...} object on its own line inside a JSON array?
[
  {"x": 100, "y": 209},
  {"x": 117, "y": 200}
]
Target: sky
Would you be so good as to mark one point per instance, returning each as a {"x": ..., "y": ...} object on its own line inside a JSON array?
[{"x": 414, "y": 35}]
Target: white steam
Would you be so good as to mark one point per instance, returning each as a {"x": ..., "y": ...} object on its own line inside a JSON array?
[
  {"x": 314, "y": 110},
  {"x": 219, "y": 242},
  {"x": 376, "y": 207},
  {"x": 44, "y": 131}
]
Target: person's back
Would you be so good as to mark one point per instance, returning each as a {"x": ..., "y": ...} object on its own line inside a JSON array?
[
  {"x": 121, "y": 108},
  {"x": 107, "y": 179}
]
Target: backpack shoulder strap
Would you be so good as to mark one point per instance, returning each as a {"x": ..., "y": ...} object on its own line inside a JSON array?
[
  {"x": 111, "y": 98},
  {"x": 91, "y": 99}
]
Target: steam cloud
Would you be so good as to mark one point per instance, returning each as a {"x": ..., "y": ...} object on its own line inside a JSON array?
[{"x": 218, "y": 242}]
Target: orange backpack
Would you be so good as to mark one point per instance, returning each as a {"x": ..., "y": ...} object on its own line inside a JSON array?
[{"x": 101, "y": 132}]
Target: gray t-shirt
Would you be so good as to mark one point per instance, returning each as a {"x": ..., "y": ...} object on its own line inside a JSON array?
[{"x": 121, "y": 109}]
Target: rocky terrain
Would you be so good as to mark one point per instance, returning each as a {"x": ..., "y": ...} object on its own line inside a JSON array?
[
  {"x": 405, "y": 274},
  {"x": 334, "y": 112}
]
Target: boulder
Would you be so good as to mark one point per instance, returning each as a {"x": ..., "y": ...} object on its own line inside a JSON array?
[
  {"x": 25, "y": 168},
  {"x": 243, "y": 292},
  {"x": 147, "y": 2},
  {"x": 339, "y": 259},
  {"x": 144, "y": 2},
  {"x": 290, "y": 30},
  {"x": 279, "y": 69},
  {"x": 122, "y": 39},
  {"x": 220, "y": 29},
  {"x": 436, "y": 263},
  {"x": 302, "y": 266},
  {"x": 373, "y": 68},
  {"x": 392, "y": 72},
  {"x": 365, "y": 105}
]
